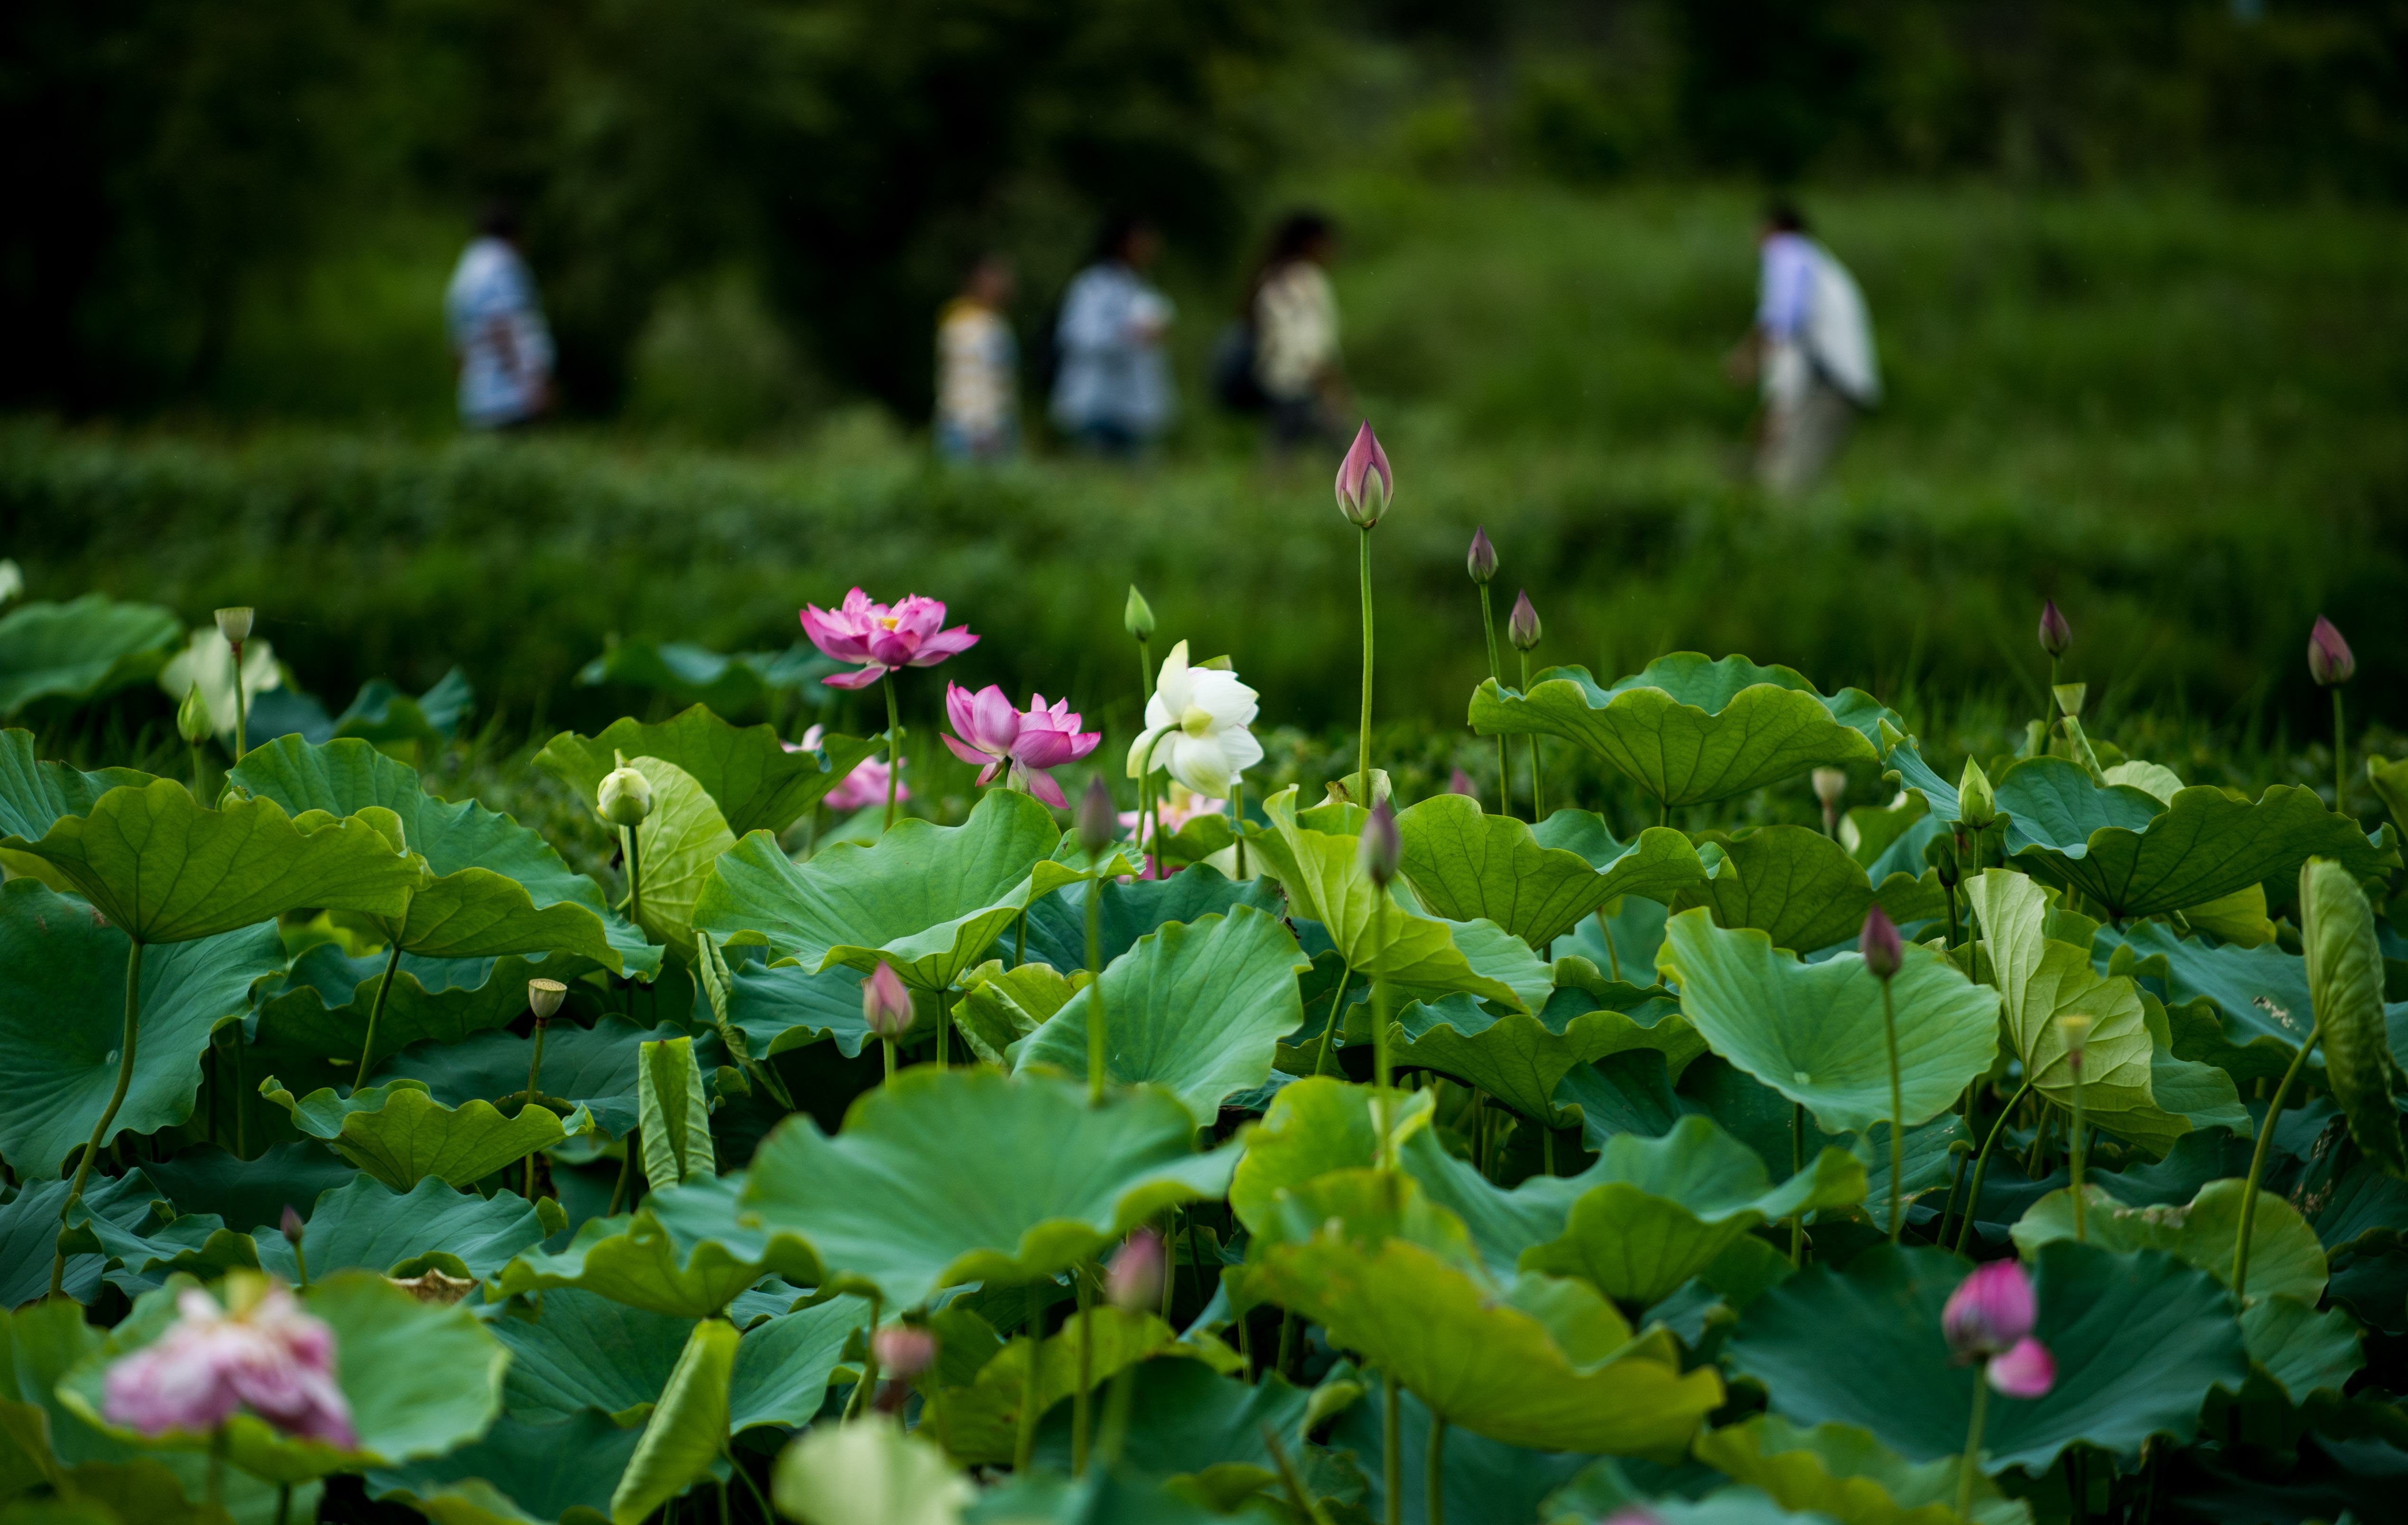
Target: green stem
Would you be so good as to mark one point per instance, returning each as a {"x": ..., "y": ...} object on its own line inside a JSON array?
[
  {"x": 1169, "y": 1260},
  {"x": 2073, "y": 1157},
  {"x": 889, "y": 1046},
  {"x": 1081, "y": 1404},
  {"x": 1380, "y": 1032},
  {"x": 1972, "y": 1466},
  {"x": 1020, "y": 939},
  {"x": 1538, "y": 777},
  {"x": 301, "y": 1262},
  {"x": 1305, "y": 1508},
  {"x": 241, "y": 709},
  {"x": 196, "y": 774},
  {"x": 1897, "y": 1119},
  {"x": 2340, "y": 756},
  {"x": 1434, "y": 1486},
  {"x": 1117, "y": 1418},
  {"x": 893, "y": 748},
  {"x": 759, "y": 1501},
  {"x": 1149, "y": 835},
  {"x": 1496, "y": 671},
  {"x": 1024, "y": 1445},
  {"x": 384, "y": 987},
  {"x": 944, "y": 1029},
  {"x": 1477, "y": 1129},
  {"x": 1336, "y": 1010},
  {"x": 1392, "y": 1460},
  {"x": 1238, "y": 820},
  {"x": 241, "y": 1114},
  {"x": 1096, "y": 1019},
  {"x": 1605, "y": 929},
  {"x": 2257, "y": 1165},
  {"x": 1546, "y": 1150},
  {"x": 215, "y": 1487},
  {"x": 109, "y": 1115},
  {"x": 1981, "y": 1163},
  {"x": 284, "y": 1504},
  {"x": 534, "y": 1068},
  {"x": 627, "y": 1173},
  {"x": 866, "y": 1390},
  {"x": 635, "y": 877},
  {"x": 1798, "y": 1167},
  {"x": 1363, "y": 768}
]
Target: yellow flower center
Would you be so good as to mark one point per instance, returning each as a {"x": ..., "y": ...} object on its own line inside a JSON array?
[{"x": 890, "y": 621}]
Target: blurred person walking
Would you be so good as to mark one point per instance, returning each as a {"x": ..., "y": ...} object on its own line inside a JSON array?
[
  {"x": 499, "y": 339},
  {"x": 978, "y": 369},
  {"x": 1810, "y": 354},
  {"x": 1113, "y": 395},
  {"x": 1297, "y": 364}
]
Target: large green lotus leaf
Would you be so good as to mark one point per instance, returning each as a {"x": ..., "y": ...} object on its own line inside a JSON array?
[
  {"x": 166, "y": 870},
  {"x": 1654, "y": 865},
  {"x": 1465, "y": 865},
  {"x": 1628, "y": 1093},
  {"x": 500, "y": 888},
  {"x": 594, "y": 1068},
  {"x": 1196, "y": 1008},
  {"x": 140, "y": 1257},
  {"x": 62, "y": 1022},
  {"x": 1522, "y": 1057},
  {"x": 1548, "y": 1364},
  {"x": 1814, "y": 1032},
  {"x": 401, "y": 1135},
  {"x": 785, "y": 1365},
  {"x": 2307, "y": 1351},
  {"x": 872, "y": 1472},
  {"x": 2136, "y": 856},
  {"x": 1057, "y": 925},
  {"x": 1842, "y": 1472},
  {"x": 421, "y": 1379},
  {"x": 1188, "y": 1422},
  {"x": 1486, "y": 1482},
  {"x": 1690, "y": 730},
  {"x": 675, "y": 849},
  {"x": 1313, "y": 1127},
  {"x": 1661, "y": 1210},
  {"x": 2139, "y": 1340},
  {"x": 983, "y": 1417},
  {"x": 572, "y": 1351},
  {"x": 29, "y": 1233},
  {"x": 930, "y": 899},
  {"x": 788, "y": 1006},
  {"x": 519, "y": 1473},
  {"x": 2285, "y": 1257},
  {"x": 34, "y": 794},
  {"x": 757, "y": 784},
  {"x": 81, "y": 648},
  {"x": 1902, "y": 759},
  {"x": 1423, "y": 955},
  {"x": 369, "y": 1225},
  {"x": 943, "y": 1177},
  {"x": 688, "y": 1428},
  {"x": 682, "y": 1253},
  {"x": 1796, "y": 886},
  {"x": 2260, "y": 1007}
]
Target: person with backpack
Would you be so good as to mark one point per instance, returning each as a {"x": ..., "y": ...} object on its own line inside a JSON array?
[
  {"x": 1112, "y": 393},
  {"x": 1811, "y": 355}
]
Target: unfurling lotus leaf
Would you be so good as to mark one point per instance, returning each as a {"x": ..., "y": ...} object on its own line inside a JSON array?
[
  {"x": 1691, "y": 730},
  {"x": 2284, "y": 1255},
  {"x": 400, "y": 1135},
  {"x": 2345, "y": 979},
  {"x": 673, "y": 1115},
  {"x": 756, "y": 784},
  {"x": 1465, "y": 865},
  {"x": 687, "y": 1432}
]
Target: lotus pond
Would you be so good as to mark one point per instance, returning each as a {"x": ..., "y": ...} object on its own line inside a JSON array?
[{"x": 2021, "y": 1146}]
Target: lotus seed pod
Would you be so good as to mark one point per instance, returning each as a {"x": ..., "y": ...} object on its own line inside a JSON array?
[
  {"x": 2330, "y": 660},
  {"x": 1885, "y": 952},
  {"x": 2056, "y": 633},
  {"x": 885, "y": 1003},
  {"x": 1381, "y": 848},
  {"x": 1136, "y": 615},
  {"x": 2076, "y": 1031},
  {"x": 192, "y": 719},
  {"x": 1976, "y": 805},
  {"x": 2069, "y": 697},
  {"x": 904, "y": 1351},
  {"x": 1134, "y": 1281},
  {"x": 1481, "y": 561},
  {"x": 1830, "y": 787},
  {"x": 544, "y": 997},
  {"x": 625, "y": 797},
  {"x": 1522, "y": 628},
  {"x": 1099, "y": 822},
  {"x": 234, "y": 625},
  {"x": 292, "y": 1226}
]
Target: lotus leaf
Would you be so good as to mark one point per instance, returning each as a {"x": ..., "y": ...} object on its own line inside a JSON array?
[
  {"x": 1845, "y": 1472},
  {"x": 1196, "y": 1008},
  {"x": 519, "y": 1473},
  {"x": 574, "y": 1350},
  {"x": 785, "y": 1006},
  {"x": 688, "y": 1428},
  {"x": 1000, "y": 1006},
  {"x": 2307, "y": 1351},
  {"x": 1197, "y": 1428},
  {"x": 2139, "y": 1340},
  {"x": 696, "y": 675},
  {"x": 2261, "y": 1011},
  {"x": 983, "y": 1417},
  {"x": 1653, "y": 865},
  {"x": 2284, "y": 1256},
  {"x": 945, "y": 1176},
  {"x": 1815, "y": 1033},
  {"x": 29, "y": 1233},
  {"x": 1057, "y": 925},
  {"x": 1465, "y": 865},
  {"x": 785, "y": 1365},
  {"x": 1628, "y": 1093},
  {"x": 757, "y": 784},
  {"x": 1799, "y": 887},
  {"x": 674, "y": 1114},
  {"x": 1522, "y": 1057},
  {"x": 596, "y": 1068},
  {"x": 682, "y": 1253},
  {"x": 500, "y": 888},
  {"x": 1903, "y": 759},
  {"x": 1313, "y": 1127},
  {"x": 870, "y": 1472},
  {"x": 366, "y": 1224},
  {"x": 34, "y": 794},
  {"x": 401, "y": 1135},
  {"x": 81, "y": 649}
]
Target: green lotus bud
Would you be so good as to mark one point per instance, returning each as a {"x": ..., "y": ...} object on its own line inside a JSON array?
[
  {"x": 544, "y": 997},
  {"x": 1976, "y": 806},
  {"x": 193, "y": 721},
  {"x": 235, "y": 624},
  {"x": 625, "y": 797},
  {"x": 2344, "y": 969},
  {"x": 2068, "y": 698},
  {"x": 1136, "y": 615}
]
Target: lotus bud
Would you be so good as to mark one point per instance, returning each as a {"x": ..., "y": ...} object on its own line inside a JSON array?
[
  {"x": 2027, "y": 1370},
  {"x": 625, "y": 797},
  {"x": 2069, "y": 697},
  {"x": 192, "y": 719},
  {"x": 234, "y": 625},
  {"x": 1099, "y": 822},
  {"x": 2056, "y": 633},
  {"x": 1989, "y": 1312},
  {"x": 1381, "y": 850},
  {"x": 1481, "y": 562},
  {"x": 2330, "y": 660},
  {"x": 1522, "y": 627},
  {"x": 544, "y": 997},
  {"x": 1976, "y": 805},
  {"x": 292, "y": 1227},
  {"x": 1830, "y": 787},
  {"x": 1134, "y": 1281},
  {"x": 1365, "y": 484},
  {"x": 1460, "y": 783},
  {"x": 1136, "y": 615},
  {"x": 885, "y": 1003},
  {"x": 1885, "y": 952},
  {"x": 904, "y": 1351}
]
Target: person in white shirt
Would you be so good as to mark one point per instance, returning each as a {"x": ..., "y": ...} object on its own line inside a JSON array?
[
  {"x": 1113, "y": 395},
  {"x": 978, "y": 369},
  {"x": 1810, "y": 354},
  {"x": 1295, "y": 321},
  {"x": 498, "y": 335}
]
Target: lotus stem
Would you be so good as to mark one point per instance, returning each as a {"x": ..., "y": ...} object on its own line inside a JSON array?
[
  {"x": 1605, "y": 930},
  {"x": 627, "y": 1163},
  {"x": 1117, "y": 1418},
  {"x": 1546, "y": 1150},
  {"x": 867, "y": 1388},
  {"x": 384, "y": 987},
  {"x": 2257, "y": 1165},
  {"x": 1020, "y": 938},
  {"x": 1149, "y": 808},
  {"x": 241, "y": 706},
  {"x": 1496, "y": 671},
  {"x": 1897, "y": 1119},
  {"x": 750, "y": 1486},
  {"x": 893, "y": 748},
  {"x": 1024, "y": 1445},
  {"x": 284, "y": 1503},
  {"x": 1981, "y": 1163},
  {"x": 1380, "y": 1036},
  {"x": 1305, "y": 1506},
  {"x": 634, "y": 877},
  {"x": 1434, "y": 1488},
  {"x": 1169, "y": 1260},
  {"x": 1081, "y": 1404},
  {"x": 1392, "y": 1459},
  {"x": 1337, "y": 1011},
  {"x": 1972, "y": 1464},
  {"x": 944, "y": 1029},
  {"x": 215, "y": 1487},
  {"x": 2074, "y": 1153},
  {"x": 2340, "y": 756},
  {"x": 1363, "y": 768},
  {"x": 534, "y": 1068},
  {"x": 1796, "y": 1166},
  {"x": 1096, "y": 1020},
  {"x": 109, "y": 1115},
  {"x": 1538, "y": 777},
  {"x": 1237, "y": 804},
  {"x": 888, "y": 1044},
  {"x": 241, "y": 1118},
  {"x": 196, "y": 774}
]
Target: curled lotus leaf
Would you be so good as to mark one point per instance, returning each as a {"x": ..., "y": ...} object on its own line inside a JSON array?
[
  {"x": 1799, "y": 887},
  {"x": 683, "y": 1253},
  {"x": 2285, "y": 1257},
  {"x": 1467, "y": 865},
  {"x": 755, "y": 782},
  {"x": 1521, "y": 1057},
  {"x": 400, "y": 1135}
]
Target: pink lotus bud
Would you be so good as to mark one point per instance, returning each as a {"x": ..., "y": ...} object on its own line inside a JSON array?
[
  {"x": 292, "y": 1227},
  {"x": 1134, "y": 1282},
  {"x": 885, "y": 1003},
  {"x": 1522, "y": 628},
  {"x": 903, "y": 1351},
  {"x": 2056, "y": 634},
  {"x": 1381, "y": 848},
  {"x": 2329, "y": 656},
  {"x": 1099, "y": 823},
  {"x": 1989, "y": 1312},
  {"x": 2025, "y": 1371},
  {"x": 1482, "y": 562},
  {"x": 1365, "y": 484},
  {"x": 1885, "y": 954},
  {"x": 1461, "y": 784}
]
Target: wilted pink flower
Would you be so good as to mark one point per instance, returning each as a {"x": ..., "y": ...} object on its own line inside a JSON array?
[
  {"x": 1989, "y": 1311},
  {"x": 1365, "y": 484},
  {"x": 1884, "y": 951},
  {"x": 1461, "y": 783},
  {"x": 988, "y": 729},
  {"x": 863, "y": 786},
  {"x": 2330, "y": 660},
  {"x": 270, "y": 1358},
  {"x": 2027, "y": 1370},
  {"x": 911, "y": 633},
  {"x": 885, "y": 1003},
  {"x": 1134, "y": 1279}
]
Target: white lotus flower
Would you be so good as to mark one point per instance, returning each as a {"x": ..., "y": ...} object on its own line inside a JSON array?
[{"x": 1196, "y": 726}]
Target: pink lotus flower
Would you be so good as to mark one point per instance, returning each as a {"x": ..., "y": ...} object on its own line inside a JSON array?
[
  {"x": 1462, "y": 783},
  {"x": 1183, "y": 806},
  {"x": 863, "y": 786},
  {"x": 1989, "y": 1311},
  {"x": 1021, "y": 746},
  {"x": 269, "y": 1357},
  {"x": 1134, "y": 1279},
  {"x": 911, "y": 633},
  {"x": 2027, "y": 1370}
]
